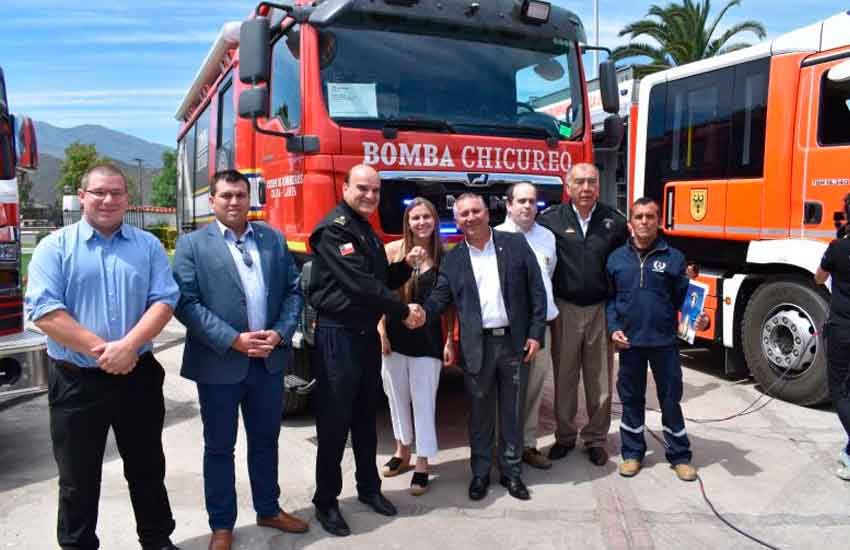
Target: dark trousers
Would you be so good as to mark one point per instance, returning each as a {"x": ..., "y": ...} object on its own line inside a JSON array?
[
  {"x": 631, "y": 385},
  {"x": 84, "y": 404},
  {"x": 347, "y": 365},
  {"x": 497, "y": 391},
  {"x": 260, "y": 396},
  {"x": 838, "y": 372}
]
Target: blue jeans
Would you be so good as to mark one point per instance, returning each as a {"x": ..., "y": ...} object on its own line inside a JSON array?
[
  {"x": 631, "y": 385},
  {"x": 260, "y": 395}
]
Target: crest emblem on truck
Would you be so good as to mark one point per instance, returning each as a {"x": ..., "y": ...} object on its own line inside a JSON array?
[{"x": 699, "y": 203}]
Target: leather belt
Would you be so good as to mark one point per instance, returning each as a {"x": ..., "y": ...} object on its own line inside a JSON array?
[{"x": 499, "y": 331}]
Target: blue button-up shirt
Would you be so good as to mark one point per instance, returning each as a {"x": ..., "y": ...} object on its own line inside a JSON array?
[
  {"x": 252, "y": 277},
  {"x": 105, "y": 284}
]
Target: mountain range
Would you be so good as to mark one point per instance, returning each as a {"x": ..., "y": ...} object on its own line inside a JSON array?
[{"x": 121, "y": 147}]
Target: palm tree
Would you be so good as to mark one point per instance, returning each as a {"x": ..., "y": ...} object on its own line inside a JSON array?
[{"x": 683, "y": 35}]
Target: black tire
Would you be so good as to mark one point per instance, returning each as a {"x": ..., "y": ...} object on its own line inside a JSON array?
[
  {"x": 295, "y": 403},
  {"x": 775, "y": 301}
]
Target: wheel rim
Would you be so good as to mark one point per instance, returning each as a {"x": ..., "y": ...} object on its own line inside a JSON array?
[{"x": 789, "y": 340}]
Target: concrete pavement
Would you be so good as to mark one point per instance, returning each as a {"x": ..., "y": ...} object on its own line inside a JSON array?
[{"x": 770, "y": 473}]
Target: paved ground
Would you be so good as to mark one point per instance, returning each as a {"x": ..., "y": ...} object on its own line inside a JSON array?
[{"x": 770, "y": 473}]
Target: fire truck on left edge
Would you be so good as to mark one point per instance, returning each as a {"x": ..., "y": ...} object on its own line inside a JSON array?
[{"x": 23, "y": 352}]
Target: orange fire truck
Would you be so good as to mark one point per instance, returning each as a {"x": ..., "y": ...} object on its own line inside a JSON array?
[
  {"x": 23, "y": 352},
  {"x": 437, "y": 96},
  {"x": 749, "y": 154}
]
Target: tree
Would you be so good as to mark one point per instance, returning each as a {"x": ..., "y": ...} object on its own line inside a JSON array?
[
  {"x": 79, "y": 157},
  {"x": 682, "y": 34},
  {"x": 165, "y": 182}
]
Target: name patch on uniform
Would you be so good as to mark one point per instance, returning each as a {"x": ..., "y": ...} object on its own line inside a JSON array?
[
  {"x": 346, "y": 249},
  {"x": 569, "y": 231},
  {"x": 658, "y": 266}
]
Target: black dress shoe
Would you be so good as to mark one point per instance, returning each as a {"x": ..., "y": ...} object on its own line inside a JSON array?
[
  {"x": 516, "y": 488},
  {"x": 478, "y": 487},
  {"x": 378, "y": 503},
  {"x": 558, "y": 451},
  {"x": 598, "y": 455},
  {"x": 333, "y": 522}
]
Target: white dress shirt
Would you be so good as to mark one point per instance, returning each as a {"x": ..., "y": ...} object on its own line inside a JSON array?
[
  {"x": 583, "y": 222},
  {"x": 542, "y": 243},
  {"x": 252, "y": 277},
  {"x": 485, "y": 267}
]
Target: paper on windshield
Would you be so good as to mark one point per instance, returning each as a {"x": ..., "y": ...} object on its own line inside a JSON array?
[{"x": 352, "y": 100}]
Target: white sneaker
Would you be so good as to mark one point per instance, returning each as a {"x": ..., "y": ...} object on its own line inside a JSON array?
[
  {"x": 844, "y": 458},
  {"x": 843, "y": 473}
]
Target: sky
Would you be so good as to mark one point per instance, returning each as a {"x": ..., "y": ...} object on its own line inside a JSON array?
[{"x": 126, "y": 64}]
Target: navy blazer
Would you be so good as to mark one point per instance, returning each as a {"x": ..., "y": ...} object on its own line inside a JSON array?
[
  {"x": 522, "y": 290},
  {"x": 212, "y": 302}
]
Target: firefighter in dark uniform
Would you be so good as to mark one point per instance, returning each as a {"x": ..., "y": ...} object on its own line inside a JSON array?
[
  {"x": 648, "y": 284},
  {"x": 836, "y": 262},
  {"x": 351, "y": 288}
]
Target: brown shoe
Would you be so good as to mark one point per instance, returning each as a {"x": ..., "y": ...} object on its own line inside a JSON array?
[
  {"x": 598, "y": 455},
  {"x": 221, "y": 539},
  {"x": 284, "y": 522},
  {"x": 536, "y": 459},
  {"x": 630, "y": 467},
  {"x": 686, "y": 472}
]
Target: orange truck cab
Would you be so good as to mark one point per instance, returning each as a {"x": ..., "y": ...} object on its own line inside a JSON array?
[
  {"x": 749, "y": 155},
  {"x": 23, "y": 352},
  {"x": 439, "y": 97}
]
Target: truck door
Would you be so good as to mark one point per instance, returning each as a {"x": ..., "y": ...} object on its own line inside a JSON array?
[{"x": 821, "y": 168}]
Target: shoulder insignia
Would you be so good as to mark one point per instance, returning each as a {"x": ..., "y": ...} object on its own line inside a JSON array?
[
  {"x": 340, "y": 220},
  {"x": 608, "y": 223},
  {"x": 552, "y": 208}
]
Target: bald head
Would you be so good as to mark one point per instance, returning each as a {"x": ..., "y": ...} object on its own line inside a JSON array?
[{"x": 362, "y": 189}]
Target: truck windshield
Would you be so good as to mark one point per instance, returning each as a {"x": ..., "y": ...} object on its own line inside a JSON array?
[{"x": 379, "y": 78}]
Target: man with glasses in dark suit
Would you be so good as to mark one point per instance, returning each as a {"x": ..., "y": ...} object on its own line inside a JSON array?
[{"x": 240, "y": 302}]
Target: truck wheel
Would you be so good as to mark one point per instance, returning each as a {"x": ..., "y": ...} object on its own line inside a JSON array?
[
  {"x": 300, "y": 371},
  {"x": 780, "y": 334}
]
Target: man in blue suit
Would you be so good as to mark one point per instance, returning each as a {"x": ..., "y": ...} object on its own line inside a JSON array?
[{"x": 240, "y": 303}]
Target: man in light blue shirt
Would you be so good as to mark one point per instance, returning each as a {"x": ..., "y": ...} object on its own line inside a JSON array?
[
  {"x": 241, "y": 297},
  {"x": 101, "y": 290}
]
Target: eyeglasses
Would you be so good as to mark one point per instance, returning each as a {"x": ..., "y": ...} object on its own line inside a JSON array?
[
  {"x": 100, "y": 195},
  {"x": 246, "y": 257}
]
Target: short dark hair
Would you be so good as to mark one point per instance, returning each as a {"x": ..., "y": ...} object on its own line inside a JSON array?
[
  {"x": 645, "y": 201},
  {"x": 465, "y": 196},
  {"x": 509, "y": 194},
  {"x": 102, "y": 169},
  {"x": 229, "y": 176}
]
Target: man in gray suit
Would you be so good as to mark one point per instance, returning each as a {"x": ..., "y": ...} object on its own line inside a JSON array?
[{"x": 240, "y": 303}]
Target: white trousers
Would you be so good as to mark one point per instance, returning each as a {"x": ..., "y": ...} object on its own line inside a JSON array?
[{"x": 413, "y": 381}]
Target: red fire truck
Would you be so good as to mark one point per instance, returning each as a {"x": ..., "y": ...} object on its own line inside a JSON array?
[
  {"x": 23, "y": 352},
  {"x": 437, "y": 96},
  {"x": 748, "y": 153}
]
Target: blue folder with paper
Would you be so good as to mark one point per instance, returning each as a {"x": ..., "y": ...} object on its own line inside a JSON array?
[{"x": 690, "y": 310}]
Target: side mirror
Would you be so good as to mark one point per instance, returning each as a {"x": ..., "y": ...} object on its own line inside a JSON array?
[
  {"x": 608, "y": 87},
  {"x": 612, "y": 134},
  {"x": 26, "y": 144},
  {"x": 7, "y": 145},
  {"x": 261, "y": 192},
  {"x": 255, "y": 51},
  {"x": 254, "y": 103}
]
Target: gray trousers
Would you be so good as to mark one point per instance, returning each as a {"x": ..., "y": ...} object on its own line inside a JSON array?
[
  {"x": 497, "y": 389},
  {"x": 538, "y": 370}
]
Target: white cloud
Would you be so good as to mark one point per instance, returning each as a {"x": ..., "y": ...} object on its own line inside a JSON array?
[{"x": 115, "y": 97}]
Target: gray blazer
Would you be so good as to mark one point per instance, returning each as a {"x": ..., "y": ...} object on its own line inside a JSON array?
[{"x": 212, "y": 302}]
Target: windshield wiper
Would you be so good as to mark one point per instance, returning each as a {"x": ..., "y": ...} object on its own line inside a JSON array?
[
  {"x": 393, "y": 125},
  {"x": 547, "y": 133}
]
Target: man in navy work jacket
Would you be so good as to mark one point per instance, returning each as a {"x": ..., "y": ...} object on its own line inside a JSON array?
[
  {"x": 101, "y": 290},
  {"x": 240, "y": 301},
  {"x": 648, "y": 283},
  {"x": 494, "y": 280}
]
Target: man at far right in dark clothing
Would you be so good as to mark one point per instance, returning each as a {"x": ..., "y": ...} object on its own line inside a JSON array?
[
  {"x": 649, "y": 282},
  {"x": 586, "y": 232}
]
